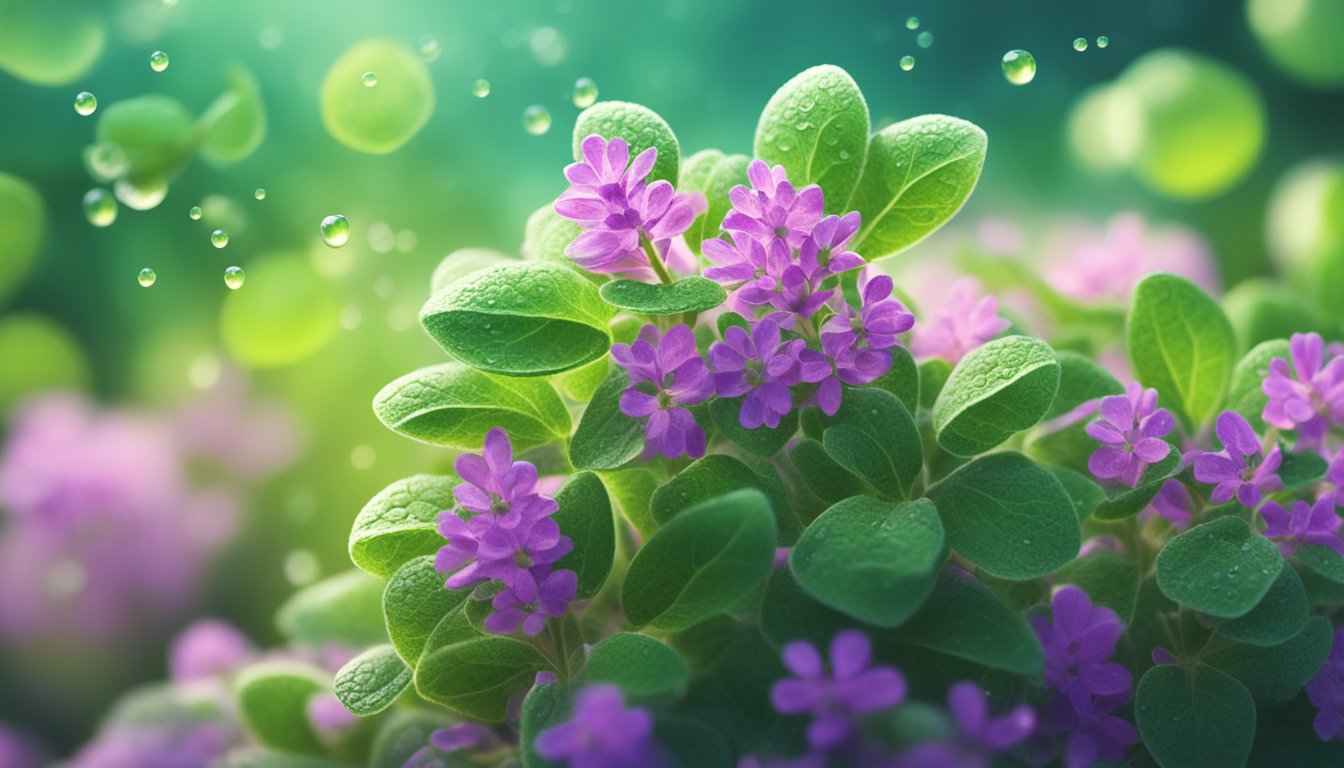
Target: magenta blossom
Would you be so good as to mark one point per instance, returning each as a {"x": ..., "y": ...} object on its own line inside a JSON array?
[
  {"x": 1236, "y": 470},
  {"x": 494, "y": 483},
  {"x": 601, "y": 733},
  {"x": 827, "y": 247},
  {"x": 858, "y": 341},
  {"x": 1130, "y": 429},
  {"x": 1304, "y": 524},
  {"x": 851, "y": 688},
  {"x": 771, "y": 209},
  {"x": 963, "y": 325},
  {"x": 750, "y": 269},
  {"x": 761, "y": 366},
  {"x": 1325, "y": 691},
  {"x": 1310, "y": 396},
  {"x": 208, "y": 648},
  {"x": 1173, "y": 504},
  {"x": 479, "y": 553},
  {"x": 679, "y": 378}
]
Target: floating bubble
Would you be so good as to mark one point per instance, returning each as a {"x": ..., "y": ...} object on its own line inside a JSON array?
[
  {"x": 194, "y": 213},
  {"x": 429, "y": 49},
  {"x": 363, "y": 456},
  {"x": 381, "y": 237},
  {"x": 85, "y": 103},
  {"x": 585, "y": 92},
  {"x": 1103, "y": 41},
  {"x": 924, "y": 39},
  {"x": 1105, "y": 128},
  {"x": 1301, "y": 37},
  {"x": 100, "y": 207},
  {"x": 1019, "y": 67},
  {"x": 335, "y": 230},
  {"x": 234, "y": 277},
  {"x": 146, "y": 277},
  {"x": 219, "y": 238},
  {"x": 536, "y": 120},
  {"x": 481, "y": 88},
  {"x": 912, "y": 22},
  {"x": 260, "y": 194},
  {"x": 907, "y": 63},
  {"x": 376, "y": 120},
  {"x": 143, "y": 194},
  {"x": 1080, "y": 44},
  {"x": 1304, "y": 225},
  {"x": 158, "y": 61},
  {"x": 50, "y": 43},
  {"x": 369, "y": 79}
]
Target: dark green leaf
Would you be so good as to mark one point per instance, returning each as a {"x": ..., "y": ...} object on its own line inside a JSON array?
[
  {"x": 1276, "y": 674},
  {"x": 606, "y": 438},
  {"x": 414, "y": 602},
  {"x": 692, "y": 742},
  {"x": 875, "y": 437},
  {"x": 902, "y": 379},
  {"x": 1301, "y": 469},
  {"x": 995, "y": 391},
  {"x": 1277, "y": 618},
  {"x": 341, "y": 609},
  {"x": 400, "y": 523},
  {"x": 403, "y": 733},
  {"x": 1222, "y": 567},
  {"x": 1199, "y": 718},
  {"x": 273, "y": 703},
  {"x": 641, "y": 128},
  {"x": 1085, "y": 493},
  {"x": 642, "y": 666},
  {"x": 762, "y": 441},
  {"x": 546, "y": 705},
  {"x": 370, "y": 682},
  {"x": 473, "y": 674},
  {"x": 788, "y": 613},
  {"x": 1111, "y": 580},
  {"x": 713, "y": 476},
  {"x": 827, "y": 479},
  {"x": 689, "y": 294},
  {"x": 585, "y": 517},
  {"x": 1080, "y": 380},
  {"x": 1322, "y": 561}
]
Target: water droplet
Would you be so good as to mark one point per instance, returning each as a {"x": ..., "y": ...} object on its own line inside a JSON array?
[
  {"x": 806, "y": 105},
  {"x": 158, "y": 61},
  {"x": 85, "y": 103},
  {"x": 100, "y": 207},
  {"x": 143, "y": 195},
  {"x": 146, "y": 277},
  {"x": 784, "y": 146},
  {"x": 429, "y": 49},
  {"x": 1103, "y": 41},
  {"x": 585, "y": 92},
  {"x": 1019, "y": 67},
  {"x": 107, "y": 161},
  {"x": 924, "y": 39},
  {"x": 804, "y": 126},
  {"x": 195, "y": 213},
  {"x": 912, "y": 22},
  {"x": 260, "y": 194},
  {"x": 234, "y": 277},
  {"x": 1026, "y": 541},
  {"x": 219, "y": 238},
  {"x": 536, "y": 120},
  {"x": 1080, "y": 44},
  {"x": 844, "y": 154},
  {"x": 335, "y": 231},
  {"x": 369, "y": 79},
  {"x": 481, "y": 88},
  {"x": 907, "y": 63}
]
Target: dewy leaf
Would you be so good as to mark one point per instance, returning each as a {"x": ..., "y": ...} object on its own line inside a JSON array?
[
  {"x": 520, "y": 320},
  {"x": 400, "y": 523},
  {"x": 453, "y": 405},
  {"x": 463, "y": 262},
  {"x": 1111, "y": 580},
  {"x": 919, "y": 173},
  {"x": 472, "y": 674},
  {"x": 372, "y": 681},
  {"x": 1084, "y": 492},
  {"x": 547, "y": 234},
  {"x": 641, "y": 128},
  {"x": 235, "y": 123},
  {"x": 402, "y": 733},
  {"x": 1274, "y": 675},
  {"x": 1181, "y": 344},
  {"x": 273, "y": 703},
  {"x": 996, "y": 391},
  {"x": 381, "y": 119},
  {"x": 1199, "y": 718},
  {"x": 1277, "y": 618},
  {"x": 1322, "y": 561},
  {"x": 642, "y": 666},
  {"x": 1299, "y": 470},
  {"x": 822, "y": 475},
  {"x": 1080, "y": 380},
  {"x": 871, "y": 559},
  {"x": 1009, "y": 516},
  {"x": 414, "y": 602},
  {"x": 714, "y": 174},
  {"x": 689, "y": 294},
  {"x": 606, "y": 438},
  {"x": 703, "y": 561},
  {"x": 341, "y": 609},
  {"x": 762, "y": 441},
  {"x": 816, "y": 126},
  {"x": 875, "y": 437},
  {"x": 585, "y": 517},
  {"x": 1222, "y": 567},
  {"x": 1244, "y": 394},
  {"x": 713, "y": 476}
]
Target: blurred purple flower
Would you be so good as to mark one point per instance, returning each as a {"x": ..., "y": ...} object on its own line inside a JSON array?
[
  {"x": 1130, "y": 429},
  {"x": 1093, "y": 732},
  {"x": 249, "y": 439},
  {"x": 1334, "y": 479},
  {"x": 198, "y": 740},
  {"x": 1325, "y": 691},
  {"x": 208, "y": 648},
  {"x": 980, "y": 737},
  {"x": 1235, "y": 470},
  {"x": 1092, "y": 264},
  {"x": 680, "y": 378},
  {"x": 851, "y": 688},
  {"x": 1309, "y": 397},
  {"x": 964, "y": 324},
  {"x": 761, "y": 366},
  {"x": 554, "y": 592},
  {"x": 496, "y": 484},
  {"x": 444, "y": 741},
  {"x": 1305, "y": 524},
  {"x": 328, "y": 716},
  {"x": 17, "y": 750},
  {"x": 771, "y": 209},
  {"x": 601, "y": 733}
]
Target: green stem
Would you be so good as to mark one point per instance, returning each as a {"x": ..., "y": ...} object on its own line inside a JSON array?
[{"x": 655, "y": 261}]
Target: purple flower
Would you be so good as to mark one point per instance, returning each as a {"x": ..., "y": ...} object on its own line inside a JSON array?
[
  {"x": 1094, "y": 733},
  {"x": 852, "y": 688},
  {"x": 1334, "y": 479},
  {"x": 208, "y": 648},
  {"x": 761, "y": 366},
  {"x": 1235, "y": 470},
  {"x": 17, "y": 750},
  {"x": 1130, "y": 429},
  {"x": 1305, "y": 524},
  {"x": 751, "y": 269},
  {"x": 1173, "y": 504},
  {"x": 827, "y": 246},
  {"x": 1077, "y": 641},
  {"x": 1310, "y": 396},
  {"x": 328, "y": 716},
  {"x": 771, "y": 209},
  {"x": 477, "y": 553},
  {"x": 601, "y": 733},
  {"x": 444, "y": 741},
  {"x": 961, "y": 326},
  {"x": 493, "y": 482},
  {"x": 858, "y": 341},
  {"x": 1325, "y": 691},
  {"x": 980, "y": 737},
  {"x": 618, "y": 210},
  {"x": 679, "y": 377},
  {"x": 555, "y": 590}
]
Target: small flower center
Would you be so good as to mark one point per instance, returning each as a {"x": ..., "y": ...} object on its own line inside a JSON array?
[
  {"x": 781, "y": 232},
  {"x": 522, "y": 559},
  {"x": 498, "y": 505},
  {"x": 824, "y": 257}
]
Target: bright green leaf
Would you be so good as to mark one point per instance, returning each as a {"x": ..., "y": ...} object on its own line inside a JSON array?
[
  {"x": 585, "y": 517},
  {"x": 632, "y": 489},
  {"x": 875, "y": 437},
  {"x": 606, "y": 438},
  {"x": 473, "y": 674},
  {"x": 1122, "y": 501},
  {"x": 1194, "y": 719},
  {"x": 996, "y": 391},
  {"x": 714, "y": 174},
  {"x": 822, "y": 475},
  {"x": 689, "y": 294},
  {"x": 1222, "y": 567},
  {"x": 400, "y": 523},
  {"x": 273, "y": 703},
  {"x": 641, "y": 128},
  {"x": 340, "y": 609},
  {"x": 713, "y": 476},
  {"x": 156, "y": 134},
  {"x": 463, "y": 262},
  {"x": 370, "y": 682},
  {"x": 49, "y": 43},
  {"x": 235, "y": 124},
  {"x": 22, "y": 219},
  {"x": 414, "y": 602},
  {"x": 1080, "y": 380},
  {"x": 287, "y": 313}
]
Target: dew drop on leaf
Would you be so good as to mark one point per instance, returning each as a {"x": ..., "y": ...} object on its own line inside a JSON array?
[
  {"x": 428, "y": 47},
  {"x": 481, "y": 88},
  {"x": 369, "y": 79},
  {"x": 536, "y": 120},
  {"x": 1080, "y": 44},
  {"x": 195, "y": 213},
  {"x": 158, "y": 61},
  {"x": 585, "y": 92},
  {"x": 1103, "y": 41},
  {"x": 260, "y": 194}
]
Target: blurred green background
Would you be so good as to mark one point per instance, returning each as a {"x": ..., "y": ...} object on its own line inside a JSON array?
[{"x": 326, "y": 328}]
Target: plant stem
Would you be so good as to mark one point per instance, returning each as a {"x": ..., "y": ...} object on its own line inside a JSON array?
[{"x": 655, "y": 261}]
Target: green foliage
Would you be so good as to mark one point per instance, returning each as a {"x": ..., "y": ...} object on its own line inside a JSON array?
[
  {"x": 283, "y": 291},
  {"x": 713, "y": 173},
  {"x": 642, "y": 666},
  {"x": 762, "y": 441},
  {"x": 1199, "y": 718},
  {"x": 382, "y": 119},
  {"x": 341, "y": 609},
  {"x": 1278, "y": 617},
  {"x": 1111, "y": 580},
  {"x": 873, "y": 436},
  {"x": 55, "y": 360},
  {"x": 902, "y": 379},
  {"x": 713, "y": 476},
  {"x": 465, "y": 261},
  {"x": 689, "y": 294},
  {"x": 545, "y": 705},
  {"x": 414, "y": 602},
  {"x": 22, "y": 217},
  {"x": 641, "y": 128},
  {"x": 403, "y": 733},
  {"x": 155, "y": 133},
  {"x": 606, "y": 438},
  {"x": 822, "y": 475},
  {"x": 1275, "y": 674},
  {"x": 51, "y": 43},
  {"x": 370, "y": 682},
  {"x": 235, "y": 123},
  {"x": 273, "y": 703},
  {"x": 585, "y": 517},
  {"x": 996, "y": 391},
  {"x": 1122, "y": 501},
  {"x": 473, "y": 674},
  {"x": 400, "y": 523},
  {"x": 1222, "y": 567},
  {"x": 1245, "y": 395},
  {"x": 1080, "y": 380}
]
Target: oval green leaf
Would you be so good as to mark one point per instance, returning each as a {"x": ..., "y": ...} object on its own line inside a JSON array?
[
  {"x": 273, "y": 703},
  {"x": 156, "y": 133},
  {"x": 689, "y": 294},
  {"x": 1222, "y": 568},
  {"x": 414, "y": 602},
  {"x": 606, "y": 438},
  {"x": 372, "y": 681},
  {"x": 585, "y": 517},
  {"x": 1080, "y": 380},
  {"x": 997, "y": 390},
  {"x": 341, "y": 609},
  {"x": 1122, "y": 501},
  {"x": 875, "y": 437},
  {"x": 1199, "y": 718},
  {"x": 763, "y": 440},
  {"x": 235, "y": 124},
  {"x": 1277, "y": 618},
  {"x": 642, "y": 666},
  {"x": 400, "y": 523},
  {"x": 382, "y": 118},
  {"x": 713, "y": 174},
  {"x": 822, "y": 475},
  {"x": 641, "y": 128},
  {"x": 1276, "y": 674},
  {"x": 473, "y": 674},
  {"x": 22, "y": 217},
  {"x": 713, "y": 476}
]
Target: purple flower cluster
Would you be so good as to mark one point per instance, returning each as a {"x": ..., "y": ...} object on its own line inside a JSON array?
[
  {"x": 601, "y": 733},
  {"x": 979, "y": 737},
  {"x": 673, "y": 368},
  {"x": 1305, "y": 524},
  {"x": 965, "y": 323},
  {"x": 1078, "y": 639},
  {"x": 1309, "y": 397},
  {"x": 1241, "y": 469},
  {"x": 1130, "y": 429},
  {"x": 1325, "y": 691},
  {"x": 502, "y": 531}
]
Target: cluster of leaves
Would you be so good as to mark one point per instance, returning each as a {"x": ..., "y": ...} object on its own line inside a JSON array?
[{"x": 935, "y": 510}]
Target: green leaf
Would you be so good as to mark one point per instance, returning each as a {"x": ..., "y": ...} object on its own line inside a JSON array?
[
  {"x": 689, "y": 294},
  {"x": 273, "y": 703},
  {"x": 256, "y": 757},
  {"x": 156, "y": 134},
  {"x": 22, "y": 220},
  {"x": 401, "y": 523},
  {"x": 585, "y": 517},
  {"x": 1199, "y": 718},
  {"x": 963, "y": 618},
  {"x": 714, "y": 174},
  {"x": 789, "y": 613},
  {"x": 403, "y": 733},
  {"x": 463, "y": 262},
  {"x": 1301, "y": 469},
  {"x": 933, "y": 376},
  {"x": 1009, "y": 516},
  {"x": 1244, "y": 394},
  {"x": 822, "y": 475},
  {"x": 701, "y": 562},
  {"x": 414, "y": 602},
  {"x": 1276, "y": 674},
  {"x": 692, "y": 741},
  {"x": 632, "y": 489},
  {"x": 1322, "y": 561},
  {"x": 1277, "y": 618},
  {"x": 370, "y": 682},
  {"x": 816, "y": 126},
  {"x": 642, "y": 666},
  {"x": 1111, "y": 580},
  {"x": 235, "y": 123},
  {"x": 1084, "y": 493},
  {"x": 1181, "y": 344},
  {"x": 546, "y": 236},
  {"x": 341, "y": 609},
  {"x": 1080, "y": 380},
  {"x": 472, "y": 674},
  {"x": 51, "y": 43},
  {"x": 871, "y": 559},
  {"x": 1222, "y": 567},
  {"x": 523, "y": 319},
  {"x": 919, "y": 173},
  {"x": 762, "y": 441},
  {"x": 713, "y": 476},
  {"x": 606, "y": 438},
  {"x": 902, "y": 379},
  {"x": 287, "y": 313},
  {"x": 996, "y": 391},
  {"x": 641, "y": 128},
  {"x": 546, "y": 705},
  {"x": 1122, "y": 501},
  {"x": 875, "y": 437},
  {"x": 381, "y": 119}
]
